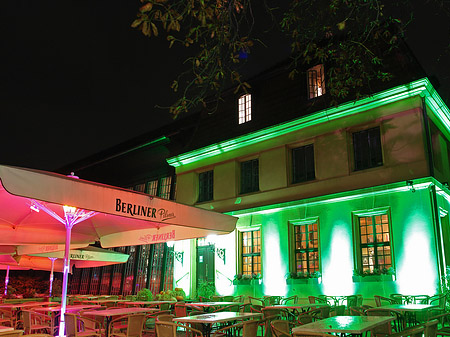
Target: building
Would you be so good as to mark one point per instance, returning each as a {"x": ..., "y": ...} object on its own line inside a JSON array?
[{"x": 329, "y": 199}]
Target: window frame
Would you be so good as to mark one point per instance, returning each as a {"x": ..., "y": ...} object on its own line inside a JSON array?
[
  {"x": 292, "y": 242},
  {"x": 240, "y": 256},
  {"x": 254, "y": 184},
  {"x": 293, "y": 180},
  {"x": 357, "y": 245},
  {"x": 209, "y": 195},
  {"x": 244, "y": 108},
  {"x": 358, "y": 168},
  {"x": 315, "y": 86}
]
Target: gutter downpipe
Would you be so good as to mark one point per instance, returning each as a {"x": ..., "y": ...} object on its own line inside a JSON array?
[{"x": 433, "y": 196}]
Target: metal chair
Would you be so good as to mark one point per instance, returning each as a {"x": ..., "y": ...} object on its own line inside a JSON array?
[
  {"x": 314, "y": 299},
  {"x": 75, "y": 326},
  {"x": 149, "y": 326},
  {"x": 232, "y": 307},
  {"x": 244, "y": 329},
  {"x": 281, "y": 328},
  {"x": 381, "y": 300},
  {"x": 134, "y": 325},
  {"x": 169, "y": 329},
  {"x": 289, "y": 300},
  {"x": 398, "y": 323},
  {"x": 35, "y": 322}
]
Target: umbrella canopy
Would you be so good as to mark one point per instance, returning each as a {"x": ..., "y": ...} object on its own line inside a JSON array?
[
  {"x": 113, "y": 216},
  {"x": 87, "y": 257},
  {"x": 38, "y": 207}
]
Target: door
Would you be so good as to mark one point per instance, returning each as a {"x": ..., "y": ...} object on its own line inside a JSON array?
[{"x": 205, "y": 264}]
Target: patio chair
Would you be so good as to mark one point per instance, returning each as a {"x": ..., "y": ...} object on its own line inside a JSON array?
[
  {"x": 338, "y": 310},
  {"x": 149, "y": 326},
  {"x": 165, "y": 318},
  {"x": 282, "y": 313},
  {"x": 420, "y": 299},
  {"x": 350, "y": 301},
  {"x": 398, "y": 322},
  {"x": 416, "y": 331},
  {"x": 180, "y": 310},
  {"x": 75, "y": 326},
  {"x": 381, "y": 300},
  {"x": 134, "y": 325},
  {"x": 228, "y": 298},
  {"x": 281, "y": 328},
  {"x": 36, "y": 322},
  {"x": 239, "y": 299},
  {"x": 444, "y": 323},
  {"x": 399, "y": 298},
  {"x": 289, "y": 300},
  {"x": 7, "y": 318},
  {"x": 431, "y": 328},
  {"x": 244, "y": 329},
  {"x": 271, "y": 300},
  {"x": 232, "y": 307},
  {"x": 304, "y": 318},
  {"x": 169, "y": 329},
  {"x": 315, "y": 299}
]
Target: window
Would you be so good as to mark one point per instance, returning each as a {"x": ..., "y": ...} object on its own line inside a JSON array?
[
  {"x": 303, "y": 164},
  {"x": 306, "y": 238},
  {"x": 375, "y": 244},
  {"x": 367, "y": 149},
  {"x": 205, "y": 186},
  {"x": 249, "y": 176},
  {"x": 251, "y": 252},
  {"x": 160, "y": 187},
  {"x": 245, "y": 108},
  {"x": 316, "y": 81}
]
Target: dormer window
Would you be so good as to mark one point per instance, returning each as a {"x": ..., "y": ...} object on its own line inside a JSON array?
[
  {"x": 316, "y": 81},
  {"x": 245, "y": 108}
]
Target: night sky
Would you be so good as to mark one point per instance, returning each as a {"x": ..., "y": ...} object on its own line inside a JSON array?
[{"x": 76, "y": 78}]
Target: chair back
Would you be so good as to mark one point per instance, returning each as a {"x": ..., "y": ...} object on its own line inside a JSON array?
[
  {"x": 380, "y": 300},
  {"x": 420, "y": 299},
  {"x": 289, "y": 300},
  {"x": 279, "y": 312},
  {"x": 165, "y": 329},
  {"x": 180, "y": 310},
  {"x": 232, "y": 307},
  {"x": 250, "y": 328},
  {"x": 135, "y": 325},
  {"x": 256, "y": 301},
  {"x": 352, "y": 301},
  {"x": 431, "y": 328},
  {"x": 71, "y": 324},
  {"x": 26, "y": 317},
  {"x": 280, "y": 328},
  {"x": 315, "y": 299},
  {"x": 228, "y": 298},
  {"x": 239, "y": 299},
  {"x": 164, "y": 306},
  {"x": 165, "y": 318}
]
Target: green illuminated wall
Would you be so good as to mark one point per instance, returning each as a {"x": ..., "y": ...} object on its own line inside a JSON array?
[{"x": 419, "y": 236}]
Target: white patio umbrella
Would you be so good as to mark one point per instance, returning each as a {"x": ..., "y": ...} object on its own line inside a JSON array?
[{"x": 38, "y": 207}]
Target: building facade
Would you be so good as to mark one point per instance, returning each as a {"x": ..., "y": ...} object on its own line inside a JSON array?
[{"x": 341, "y": 200}]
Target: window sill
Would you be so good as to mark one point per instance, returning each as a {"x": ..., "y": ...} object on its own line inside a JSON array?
[
  {"x": 247, "y": 282},
  {"x": 311, "y": 280},
  {"x": 373, "y": 278}
]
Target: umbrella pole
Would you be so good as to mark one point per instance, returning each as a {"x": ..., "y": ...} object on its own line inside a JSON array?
[
  {"x": 6, "y": 280},
  {"x": 51, "y": 276},
  {"x": 65, "y": 279}
]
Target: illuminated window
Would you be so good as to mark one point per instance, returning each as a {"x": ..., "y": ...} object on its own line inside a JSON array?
[
  {"x": 249, "y": 176},
  {"x": 245, "y": 108},
  {"x": 205, "y": 186},
  {"x": 306, "y": 248},
  {"x": 303, "y": 164},
  {"x": 251, "y": 252},
  {"x": 375, "y": 244},
  {"x": 316, "y": 81}
]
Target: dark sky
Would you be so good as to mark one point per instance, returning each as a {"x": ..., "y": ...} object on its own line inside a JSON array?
[{"x": 76, "y": 78}]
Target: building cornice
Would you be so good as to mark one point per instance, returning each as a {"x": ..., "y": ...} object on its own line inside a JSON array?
[{"x": 421, "y": 88}]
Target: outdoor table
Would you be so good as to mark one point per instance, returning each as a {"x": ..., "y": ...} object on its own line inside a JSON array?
[
  {"x": 16, "y": 308},
  {"x": 216, "y": 317},
  {"x": 295, "y": 308},
  {"x": 6, "y": 328},
  {"x": 343, "y": 325},
  {"x": 108, "y": 314},
  {"x": 147, "y": 303},
  {"x": 100, "y": 301},
  {"x": 209, "y": 306},
  {"x": 410, "y": 310},
  {"x": 54, "y": 311}
]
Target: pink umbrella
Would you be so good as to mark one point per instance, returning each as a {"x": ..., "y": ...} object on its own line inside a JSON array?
[{"x": 38, "y": 207}]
